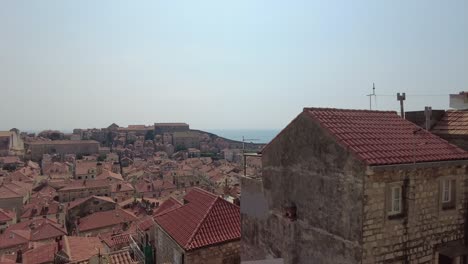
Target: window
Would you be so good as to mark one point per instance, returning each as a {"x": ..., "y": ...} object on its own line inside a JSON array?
[
  {"x": 446, "y": 188},
  {"x": 395, "y": 200},
  {"x": 447, "y": 193}
]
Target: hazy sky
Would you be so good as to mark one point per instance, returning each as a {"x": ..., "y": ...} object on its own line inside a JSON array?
[{"x": 222, "y": 64}]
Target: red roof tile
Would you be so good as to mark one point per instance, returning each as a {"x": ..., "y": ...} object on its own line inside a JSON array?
[
  {"x": 383, "y": 137},
  {"x": 167, "y": 205},
  {"x": 204, "y": 220},
  {"x": 121, "y": 257},
  {"x": 6, "y": 215},
  {"x": 105, "y": 219},
  {"x": 42, "y": 254},
  {"x": 82, "y": 248},
  {"x": 454, "y": 122}
]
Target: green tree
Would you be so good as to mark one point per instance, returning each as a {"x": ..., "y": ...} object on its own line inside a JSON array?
[{"x": 149, "y": 135}]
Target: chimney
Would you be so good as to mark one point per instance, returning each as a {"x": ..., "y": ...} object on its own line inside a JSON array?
[
  {"x": 19, "y": 256},
  {"x": 428, "y": 116},
  {"x": 99, "y": 168}
]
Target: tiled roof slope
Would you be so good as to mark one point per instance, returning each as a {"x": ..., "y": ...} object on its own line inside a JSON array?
[
  {"x": 454, "y": 122},
  {"x": 383, "y": 137},
  {"x": 204, "y": 220}
]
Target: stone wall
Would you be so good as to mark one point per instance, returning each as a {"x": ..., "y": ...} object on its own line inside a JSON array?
[
  {"x": 63, "y": 147},
  {"x": 72, "y": 195},
  {"x": 167, "y": 250},
  {"x": 304, "y": 166},
  {"x": 226, "y": 253},
  {"x": 415, "y": 236}
]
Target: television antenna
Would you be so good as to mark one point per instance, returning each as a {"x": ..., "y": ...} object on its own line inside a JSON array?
[{"x": 370, "y": 96}]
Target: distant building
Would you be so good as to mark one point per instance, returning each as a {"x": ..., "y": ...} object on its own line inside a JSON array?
[
  {"x": 83, "y": 147},
  {"x": 211, "y": 232},
  {"x": 11, "y": 143},
  {"x": 186, "y": 140},
  {"x": 356, "y": 186},
  {"x": 161, "y": 128}
]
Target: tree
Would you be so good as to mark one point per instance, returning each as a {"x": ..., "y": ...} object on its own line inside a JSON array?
[{"x": 149, "y": 135}]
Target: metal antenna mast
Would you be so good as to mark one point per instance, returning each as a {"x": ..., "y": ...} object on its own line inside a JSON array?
[{"x": 370, "y": 96}]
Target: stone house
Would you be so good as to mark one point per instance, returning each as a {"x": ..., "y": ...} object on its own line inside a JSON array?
[
  {"x": 86, "y": 170},
  {"x": 105, "y": 221},
  {"x": 86, "y": 206},
  {"x": 58, "y": 170},
  {"x": 122, "y": 191},
  {"x": 211, "y": 232},
  {"x": 84, "y": 188},
  {"x": 356, "y": 186}
]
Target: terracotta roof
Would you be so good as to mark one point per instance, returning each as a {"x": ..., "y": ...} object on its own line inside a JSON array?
[
  {"x": 146, "y": 223},
  {"x": 124, "y": 187},
  {"x": 383, "y": 137},
  {"x": 22, "y": 233},
  {"x": 121, "y": 257},
  {"x": 106, "y": 174},
  {"x": 117, "y": 240},
  {"x": 104, "y": 219},
  {"x": 82, "y": 248},
  {"x": 40, "y": 206},
  {"x": 6, "y": 215},
  {"x": 12, "y": 238},
  {"x": 38, "y": 229},
  {"x": 169, "y": 204},
  {"x": 84, "y": 184},
  {"x": 41, "y": 254},
  {"x": 82, "y": 200},
  {"x": 83, "y": 167},
  {"x": 204, "y": 220},
  {"x": 7, "y": 193},
  {"x": 454, "y": 122}
]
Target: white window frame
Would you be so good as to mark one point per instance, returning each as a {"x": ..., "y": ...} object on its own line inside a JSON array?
[
  {"x": 396, "y": 201},
  {"x": 446, "y": 191}
]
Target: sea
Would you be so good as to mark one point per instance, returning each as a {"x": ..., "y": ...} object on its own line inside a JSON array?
[{"x": 262, "y": 136}]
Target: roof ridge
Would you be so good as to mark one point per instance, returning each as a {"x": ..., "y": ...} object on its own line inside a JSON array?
[
  {"x": 197, "y": 228},
  {"x": 346, "y": 110}
]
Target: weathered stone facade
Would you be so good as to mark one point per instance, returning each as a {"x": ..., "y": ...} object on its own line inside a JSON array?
[
  {"x": 425, "y": 225},
  {"x": 323, "y": 181},
  {"x": 341, "y": 205},
  {"x": 63, "y": 147}
]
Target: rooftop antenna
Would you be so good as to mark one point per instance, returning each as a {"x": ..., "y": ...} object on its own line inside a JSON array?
[{"x": 370, "y": 96}]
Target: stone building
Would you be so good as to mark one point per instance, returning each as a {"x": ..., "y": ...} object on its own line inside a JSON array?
[
  {"x": 211, "y": 232},
  {"x": 356, "y": 186},
  {"x": 83, "y": 147},
  {"x": 11, "y": 143},
  {"x": 83, "y": 189},
  {"x": 186, "y": 140},
  {"x": 161, "y": 128}
]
